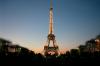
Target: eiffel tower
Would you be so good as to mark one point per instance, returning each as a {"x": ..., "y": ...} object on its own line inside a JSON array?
[{"x": 51, "y": 37}]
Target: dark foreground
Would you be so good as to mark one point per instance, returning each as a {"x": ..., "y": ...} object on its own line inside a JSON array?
[{"x": 64, "y": 59}]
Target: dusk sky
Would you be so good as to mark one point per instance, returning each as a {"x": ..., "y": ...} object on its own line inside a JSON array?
[{"x": 26, "y": 22}]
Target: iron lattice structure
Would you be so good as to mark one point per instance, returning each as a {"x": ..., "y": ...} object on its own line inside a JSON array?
[{"x": 51, "y": 37}]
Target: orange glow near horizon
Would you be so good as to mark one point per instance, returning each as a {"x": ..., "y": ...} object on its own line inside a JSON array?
[{"x": 40, "y": 50}]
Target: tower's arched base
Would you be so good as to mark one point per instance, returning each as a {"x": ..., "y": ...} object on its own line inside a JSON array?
[{"x": 51, "y": 50}]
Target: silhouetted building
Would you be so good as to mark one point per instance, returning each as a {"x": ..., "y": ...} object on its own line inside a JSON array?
[
  {"x": 74, "y": 52},
  {"x": 82, "y": 48},
  {"x": 91, "y": 46},
  {"x": 97, "y": 44},
  {"x": 14, "y": 48},
  {"x": 3, "y": 44}
]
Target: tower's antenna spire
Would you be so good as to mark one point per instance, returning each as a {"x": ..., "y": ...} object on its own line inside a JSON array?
[
  {"x": 50, "y": 3},
  {"x": 51, "y": 18}
]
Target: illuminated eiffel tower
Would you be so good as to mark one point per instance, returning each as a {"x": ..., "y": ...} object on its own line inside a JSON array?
[{"x": 51, "y": 37}]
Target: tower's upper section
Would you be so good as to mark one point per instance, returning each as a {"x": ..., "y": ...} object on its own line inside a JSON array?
[
  {"x": 51, "y": 5},
  {"x": 51, "y": 18}
]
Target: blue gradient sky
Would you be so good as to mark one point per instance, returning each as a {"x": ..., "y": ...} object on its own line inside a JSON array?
[{"x": 26, "y": 22}]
